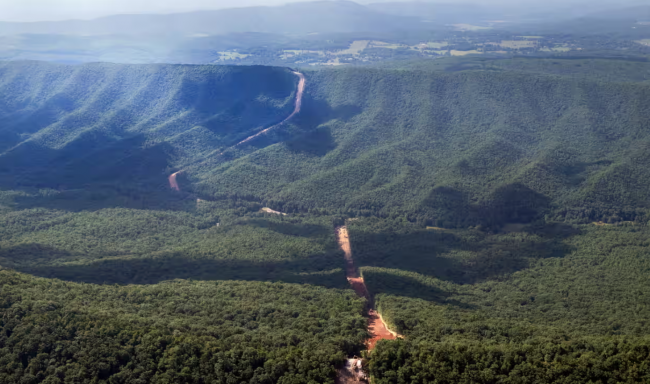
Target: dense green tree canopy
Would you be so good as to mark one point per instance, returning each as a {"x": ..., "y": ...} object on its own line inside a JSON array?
[{"x": 497, "y": 212}]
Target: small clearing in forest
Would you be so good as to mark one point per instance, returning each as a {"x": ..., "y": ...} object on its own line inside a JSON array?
[{"x": 269, "y": 210}]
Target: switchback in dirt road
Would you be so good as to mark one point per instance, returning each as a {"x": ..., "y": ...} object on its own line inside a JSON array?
[
  {"x": 298, "y": 105},
  {"x": 173, "y": 184}
]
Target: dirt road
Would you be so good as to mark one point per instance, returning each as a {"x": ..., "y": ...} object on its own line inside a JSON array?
[
  {"x": 378, "y": 330},
  {"x": 298, "y": 105},
  {"x": 173, "y": 184},
  {"x": 376, "y": 326}
]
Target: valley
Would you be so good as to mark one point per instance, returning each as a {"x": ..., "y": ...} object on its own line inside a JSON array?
[
  {"x": 433, "y": 220},
  {"x": 173, "y": 182},
  {"x": 299, "y": 92}
]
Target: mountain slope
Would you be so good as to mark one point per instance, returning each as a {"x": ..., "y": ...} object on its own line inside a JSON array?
[
  {"x": 440, "y": 13},
  {"x": 455, "y": 149},
  {"x": 461, "y": 148},
  {"x": 70, "y": 125},
  {"x": 622, "y": 22},
  {"x": 177, "y": 331},
  {"x": 114, "y": 254}
]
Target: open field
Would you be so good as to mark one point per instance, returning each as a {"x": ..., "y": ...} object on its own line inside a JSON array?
[
  {"x": 435, "y": 44},
  {"x": 302, "y": 52},
  {"x": 355, "y": 48},
  {"x": 469, "y": 27},
  {"x": 437, "y": 52},
  {"x": 517, "y": 44},
  {"x": 333, "y": 62},
  {"x": 289, "y": 53},
  {"x": 556, "y": 49},
  {"x": 381, "y": 44},
  {"x": 463, "y": 53}
]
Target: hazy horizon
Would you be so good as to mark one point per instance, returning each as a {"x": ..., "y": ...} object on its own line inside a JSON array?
[{"x": 60, "y": 10}]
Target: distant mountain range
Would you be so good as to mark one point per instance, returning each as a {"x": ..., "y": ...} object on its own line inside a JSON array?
[
  {"x": 305, "y": 18},
  {"x": 296, "y": 18},
  {"x": 439, "y": 13}
]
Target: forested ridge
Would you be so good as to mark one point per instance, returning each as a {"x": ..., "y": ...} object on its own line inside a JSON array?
[
  {"x": 545, "y": 303},
  {"x": 177, "y": 331},
  {"x": 500, "y": 223},
  {"x": 70, "y": 126},
  {"x": 455, "y": 149},
  {"x": 452, "y": 149}
]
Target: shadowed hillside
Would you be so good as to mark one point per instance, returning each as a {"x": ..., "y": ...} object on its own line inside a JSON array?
[
  {"x": 455, "y": 149},
  {"x": 68, "y": 126},
  {"x": 478, "y": 196}
]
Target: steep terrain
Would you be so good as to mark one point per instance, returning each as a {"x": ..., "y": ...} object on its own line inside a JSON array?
[
  {"x": 78, "y": 125},
  {"x": 454, "y": 149},
  {"x": 475, "y": 194}
]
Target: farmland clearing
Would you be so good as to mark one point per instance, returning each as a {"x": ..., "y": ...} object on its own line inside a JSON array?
[
  {"x": 464, "y": 53},
  {"x": 469, "y": 27}
]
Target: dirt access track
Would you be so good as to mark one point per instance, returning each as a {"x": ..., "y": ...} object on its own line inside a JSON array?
[
  {"x": 296, "y": 109},
  {"x": 376, "y": 326},
  {"x": 173, "y": 184}
]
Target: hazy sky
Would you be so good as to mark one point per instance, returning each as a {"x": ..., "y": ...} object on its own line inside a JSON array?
[{"x": 38, "y": 10}]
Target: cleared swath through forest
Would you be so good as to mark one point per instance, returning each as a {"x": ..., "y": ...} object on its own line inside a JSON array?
[
  {"x": 376, "y": 326},
  {"x": 301, "y": 90},
  {"x": 173, "y": 183}
]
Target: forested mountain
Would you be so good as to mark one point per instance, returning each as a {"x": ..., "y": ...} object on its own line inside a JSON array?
[
  {"x": 547, "y": 303},
  {"x": 65, "y": 126},
  {"x": 173, "y": 332},
  {"x": 497, "y": 211},
  {"x": 455, "y": 149},
  {"x": 439, "y": 12}
]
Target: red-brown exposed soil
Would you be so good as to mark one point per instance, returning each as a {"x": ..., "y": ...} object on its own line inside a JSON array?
[
  {"x": 377, "y": 329},
  {"x": 376, "y": 325},
  {"x": 359, "y": 287},
  {"x": 173, "y": 184}
]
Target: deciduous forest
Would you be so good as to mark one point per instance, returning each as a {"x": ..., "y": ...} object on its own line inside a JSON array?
[{"x": 497, "y": 211}]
